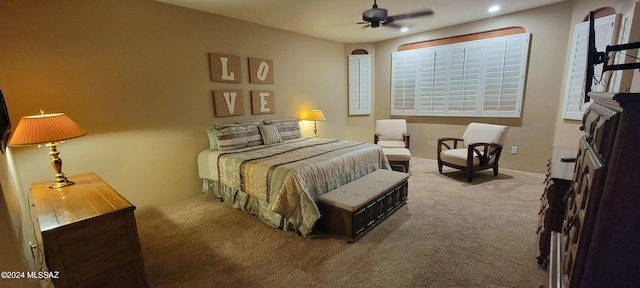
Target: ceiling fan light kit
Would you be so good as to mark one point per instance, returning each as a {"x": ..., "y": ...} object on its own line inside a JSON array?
[{"x": 375, "y": 17}]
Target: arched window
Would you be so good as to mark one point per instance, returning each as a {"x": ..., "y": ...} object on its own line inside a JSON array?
[{"x": 359, "y": 82}]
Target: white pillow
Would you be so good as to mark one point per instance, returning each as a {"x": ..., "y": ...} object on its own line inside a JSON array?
[{"x": 211, "y": 134}]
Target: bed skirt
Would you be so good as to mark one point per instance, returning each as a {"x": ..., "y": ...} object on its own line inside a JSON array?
[{"x": 245, "y": 202}]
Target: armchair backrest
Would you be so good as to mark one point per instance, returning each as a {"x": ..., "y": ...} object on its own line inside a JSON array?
[
  {"x": 391, "y": 129},
  {"x": 485, "y": 133}
]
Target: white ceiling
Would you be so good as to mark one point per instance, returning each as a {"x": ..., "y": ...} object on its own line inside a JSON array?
[{"x": 337, "y": 19}]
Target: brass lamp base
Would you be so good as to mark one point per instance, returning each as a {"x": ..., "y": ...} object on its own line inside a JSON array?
[
  {"x": 315, "y": 129},
  {"x": 60, "y": 180}
]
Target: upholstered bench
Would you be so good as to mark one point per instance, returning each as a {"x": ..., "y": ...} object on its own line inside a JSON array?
[
  {"x": 353, "y": 209},
  {"x": 398, "y": 157}
]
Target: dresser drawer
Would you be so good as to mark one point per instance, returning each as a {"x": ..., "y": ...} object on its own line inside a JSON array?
[
  {"x": 599, "y": 125},
  {"x": 551, "y": 216},
  {"x": 581, "y": 209}
]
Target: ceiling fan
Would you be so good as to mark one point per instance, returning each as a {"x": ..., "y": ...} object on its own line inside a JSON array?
[{"x": 375, "y": 17}]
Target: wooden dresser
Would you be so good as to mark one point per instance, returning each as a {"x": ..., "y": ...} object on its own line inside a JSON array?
[
  {"x": 89, "y": 234},
  {"x": 599, "y": 245},
  {"x": 552, "y": 208}
]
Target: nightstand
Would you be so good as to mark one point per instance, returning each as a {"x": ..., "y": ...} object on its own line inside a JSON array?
[{"x": 89, "y": 234}]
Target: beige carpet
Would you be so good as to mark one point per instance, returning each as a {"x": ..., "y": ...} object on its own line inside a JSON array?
[{"x": 449, "y": 234}]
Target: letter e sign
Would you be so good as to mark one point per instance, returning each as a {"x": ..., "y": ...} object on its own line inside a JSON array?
[
  {"x": 263, "y": 102},
  {"x": 228, "y": 102},
  {"x": 225, "y": 68},
  {"x": 260, "y": 71}
]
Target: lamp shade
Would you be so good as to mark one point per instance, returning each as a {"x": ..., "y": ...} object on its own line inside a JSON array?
[
  {"x": 45, "y": 128},
  {"x": 315, "y": 115}
]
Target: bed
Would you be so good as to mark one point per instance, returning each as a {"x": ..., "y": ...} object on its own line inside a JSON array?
[{"x": 279, "y": 181}]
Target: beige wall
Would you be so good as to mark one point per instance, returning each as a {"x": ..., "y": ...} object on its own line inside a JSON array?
[
  {"x": 135, "y": 75},
  {"x": 533, "y": 132}
]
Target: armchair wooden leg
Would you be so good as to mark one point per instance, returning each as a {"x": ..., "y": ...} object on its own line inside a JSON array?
[{"x": 495, "y": 170}]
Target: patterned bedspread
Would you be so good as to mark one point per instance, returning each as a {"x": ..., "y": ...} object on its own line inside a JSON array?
[{"x": 290, "y": 176}]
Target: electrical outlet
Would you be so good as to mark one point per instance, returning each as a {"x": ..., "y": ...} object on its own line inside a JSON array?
[{"x": 514, "y": 150}]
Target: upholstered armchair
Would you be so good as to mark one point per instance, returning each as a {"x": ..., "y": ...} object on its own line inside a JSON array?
[
  {"x": 478, "y": 149},
  {"x": 392, "y": 136},
  {"x": 391, "y": 133}
]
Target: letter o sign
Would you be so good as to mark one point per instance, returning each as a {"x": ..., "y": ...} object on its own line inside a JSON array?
[
  {"x": 263, "y": 71},
  {"x": 260, "y": 71}
]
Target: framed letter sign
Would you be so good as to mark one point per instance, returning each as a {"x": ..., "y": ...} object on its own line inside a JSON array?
[
  {"x": 228, "y": 102},
  {"x": 225, "y": 68},
  {"x": 263, "y": 102},
  {"x": 260, "y": 71}
]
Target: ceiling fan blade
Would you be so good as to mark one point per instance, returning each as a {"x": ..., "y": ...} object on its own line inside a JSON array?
[{"x": 423, "y": 13}]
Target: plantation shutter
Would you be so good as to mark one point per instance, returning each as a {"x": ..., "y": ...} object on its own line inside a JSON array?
[
  {"x": 434, "y": 77},
  {"x": 404, "y": 72},
  {"x": 359, "y": 84},
  {"x": 464, "y": 79},
  {"x": 504, "y": 75},
  {"x": 573, "y": 107},
  {"x": 474, "y": 78}
]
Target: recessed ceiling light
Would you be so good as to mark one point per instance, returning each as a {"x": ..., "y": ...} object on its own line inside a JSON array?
[
  {"x": 404, "y": 29},
  {"x": 494, "y": 8}
]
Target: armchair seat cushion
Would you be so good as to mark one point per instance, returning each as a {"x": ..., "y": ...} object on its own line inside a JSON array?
[
  {"x": 391, "y": 144},
  {"x": 458, "y": 157}
]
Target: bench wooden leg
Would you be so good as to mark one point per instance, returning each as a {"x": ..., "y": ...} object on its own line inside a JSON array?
[{"x": 403, "y": 164}]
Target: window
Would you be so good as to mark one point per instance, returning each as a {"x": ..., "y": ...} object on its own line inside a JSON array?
[
  {"x": 573, "y": 107},
  {"x": 359, "y": 84},
  {"x": 475, "y": 78}
]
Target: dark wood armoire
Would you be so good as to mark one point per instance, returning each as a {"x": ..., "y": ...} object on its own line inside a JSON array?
[{"x": 599, "y": 243}]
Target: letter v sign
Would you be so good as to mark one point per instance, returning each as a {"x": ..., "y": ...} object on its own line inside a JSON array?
[
  {"x": 228, "y": 102},
  {"x": 230, "y": 99}
]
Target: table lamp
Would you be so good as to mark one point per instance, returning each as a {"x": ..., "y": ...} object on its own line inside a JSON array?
[
  {"x": 315, "y": 116},
  {"x": 48, "y": 129}
]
